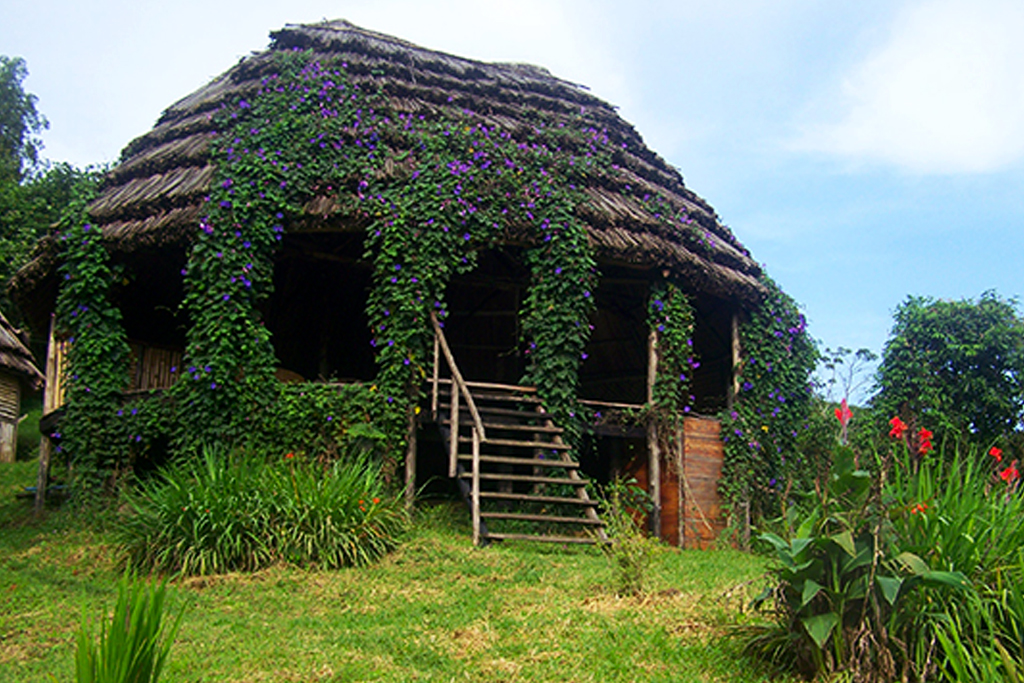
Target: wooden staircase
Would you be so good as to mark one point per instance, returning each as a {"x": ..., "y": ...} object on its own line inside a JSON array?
[{"x": 514, "y": 470}]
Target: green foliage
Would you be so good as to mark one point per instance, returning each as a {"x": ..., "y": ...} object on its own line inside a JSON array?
[
  {"x": 135, "y": 646},
  {"x": 629, "y": 550},
  {"x": 98, "y": 357},
  {"x": 670, "y": 314},
  {"x": 242, "y": 513},
  {"x": 957, "y": 366},
  {"x": 20, "y": 123},
  {"x": 845, "y": 591},
  {"x": 771, "y": 408}
]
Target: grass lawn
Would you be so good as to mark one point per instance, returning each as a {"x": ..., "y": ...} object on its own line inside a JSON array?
[{"x": 435, "y": 610}]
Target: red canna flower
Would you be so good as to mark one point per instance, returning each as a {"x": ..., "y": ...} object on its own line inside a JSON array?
[
  {"x": 924, "y": 441},
  {"x": 1010, "y": 474},
  {"x": 899, "y": 428},
  {"x": 843, "y": 413},
  {"x": 996, "y": 453}
]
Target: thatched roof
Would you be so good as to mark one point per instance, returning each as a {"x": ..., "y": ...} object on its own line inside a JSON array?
[
  {"x": 15, "y": 356},
  {"x": 154, "y": 196}
]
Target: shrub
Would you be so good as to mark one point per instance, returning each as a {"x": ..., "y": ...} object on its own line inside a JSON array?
[
  {"x": 629, "y": 549},
  {"x": 224, "y": 513},
  {"x": 137, "y": 643}
]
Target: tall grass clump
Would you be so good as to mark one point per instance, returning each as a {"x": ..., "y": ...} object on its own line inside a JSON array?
[
  {"x": 135, "y": 645},
  {"x": 629, "y": 549},
  {"x": 239, "y": 512}
]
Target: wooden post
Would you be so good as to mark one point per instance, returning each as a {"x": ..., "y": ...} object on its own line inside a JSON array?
[
  {"x": 734, "y": 386},
  {"x": 453, "y": 433},
  {"x": 680, "y": 488},
  {"x": 49, "y": 405},
  {"x": 436, "y": 377},
  {"x": 45, "y": 448},
  {"x": 410, "y": 460},
  {"x": 653, "y": 447},
  {"x": 476, "y": 488}
]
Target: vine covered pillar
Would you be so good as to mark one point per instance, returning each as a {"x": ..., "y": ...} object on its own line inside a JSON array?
[{"x": 653, "y": 448}]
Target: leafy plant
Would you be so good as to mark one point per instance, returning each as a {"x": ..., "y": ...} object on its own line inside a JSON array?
[
  {"x": 135, "y": 646},
  {"x": 624, "y": 505},
  {"x": 842, "y": 589},
  {"x": 221, "y": 513}
]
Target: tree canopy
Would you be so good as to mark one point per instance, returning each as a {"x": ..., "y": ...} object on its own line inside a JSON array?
[
  {"x": 957, "y": 367},
  {"x": 20, "y": 123}
]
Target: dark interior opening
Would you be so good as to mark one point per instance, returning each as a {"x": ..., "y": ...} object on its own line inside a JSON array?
[
  {"x": 317, "y": 313},
  {"x": 616, "y": 366},
  {"x": 712, "y": 341},
  {"x": 150, "y": 296},
  {"x": 483, "y": 322}
]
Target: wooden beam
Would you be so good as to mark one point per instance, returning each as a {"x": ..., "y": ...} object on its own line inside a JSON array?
[
  {"x": 734, "y": 386},
  {"x": 410, "y": 459},
  {"x": 653, "y": 447}
]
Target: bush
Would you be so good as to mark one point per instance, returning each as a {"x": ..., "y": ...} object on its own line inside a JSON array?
[
  {"x": 242, "y": 513},
  {"x": 136, "y": 645}
]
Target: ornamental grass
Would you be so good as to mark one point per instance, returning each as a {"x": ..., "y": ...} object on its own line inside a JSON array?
[{"x": 220, "y": 513}]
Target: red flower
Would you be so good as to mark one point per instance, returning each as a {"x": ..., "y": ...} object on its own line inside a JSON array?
[
  {"x": 924, "y": 441},
  {"x": 289, "y": 456},
  {"x": 376, "y": 500},
  {"x": 899, "y": 428},
  {"x": 996, "y": 453},
  {"x": 1010, "y": 474},
  {"x": 843, "y": 413},
  {"x": 919, "y": 508}
]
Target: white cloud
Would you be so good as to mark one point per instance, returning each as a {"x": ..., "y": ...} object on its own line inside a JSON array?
[{"x": 944, "y": 94}]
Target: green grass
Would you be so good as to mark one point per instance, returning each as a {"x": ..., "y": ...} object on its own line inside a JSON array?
[{"x": 436, "y": 609}]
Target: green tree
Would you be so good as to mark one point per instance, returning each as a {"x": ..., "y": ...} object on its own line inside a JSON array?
[
  {"x": 20, "y": 123},
  {"x": 956, "y": 367}
]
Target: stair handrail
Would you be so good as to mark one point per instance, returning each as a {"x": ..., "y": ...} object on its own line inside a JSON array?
[{"x": 457, "y": 380}]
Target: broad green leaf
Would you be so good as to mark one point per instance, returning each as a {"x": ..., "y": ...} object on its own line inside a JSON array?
[
  {"x": 811, "y": 588},
  {"x": 913, "y": 563},
  {"x": 951, "y": 579},
  {"x": 798, "y": 545},
  {"x": 775, "y": 540},
  {"x": 890, "y": 587},
  {"x": 820, "y": 626},
  {"x": 845, "y": 541}
]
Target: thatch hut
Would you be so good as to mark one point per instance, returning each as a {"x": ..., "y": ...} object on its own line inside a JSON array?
[
  {"x": 643, "y": 228},
  {"x": 18, "y": 374}
]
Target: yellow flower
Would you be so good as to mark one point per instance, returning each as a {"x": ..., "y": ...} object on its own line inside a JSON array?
[{"x": 764, "y": 428}]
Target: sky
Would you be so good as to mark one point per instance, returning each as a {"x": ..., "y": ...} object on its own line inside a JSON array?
[{"x": 862, "y": 151}]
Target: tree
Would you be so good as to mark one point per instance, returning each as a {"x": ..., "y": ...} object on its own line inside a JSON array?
[
  {"x": 957, "y": 367},
  {"x": 20, "y": 123}
]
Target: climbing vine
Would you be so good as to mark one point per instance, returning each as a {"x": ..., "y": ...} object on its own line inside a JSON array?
[
  {"x": 670, "y": 315},
  {"x": 318, "y": 139},
  {"x": 771, "y": 407},
  {"x": 97, "y": 358}
]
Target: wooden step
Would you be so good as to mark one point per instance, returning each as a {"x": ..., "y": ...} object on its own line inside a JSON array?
[
  {"x": 446, "y": 409},
  {"x": 495, "y": 396},
  {"x": 512, "y": 443},
  {"x": 526, "y": 497},
  {"x": 582, "y": 540},
  {"x": 542, "y": 518},
  {"x": 488, "y": 476},
  {"x": 507, "y": 426},
  {"x": 526, "y": 462}
]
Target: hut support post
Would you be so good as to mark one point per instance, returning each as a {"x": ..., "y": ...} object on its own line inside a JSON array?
[
  {"x": 734, "y": 386},
  {"x": 653, "y": 447},
  {"x": 410, "y": 460},
  {"x": 50, "y": 397},
  {"x": 681, "y": 487}
]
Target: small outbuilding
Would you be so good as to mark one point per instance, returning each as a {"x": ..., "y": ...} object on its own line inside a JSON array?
[{"x": 18, "y": 375}]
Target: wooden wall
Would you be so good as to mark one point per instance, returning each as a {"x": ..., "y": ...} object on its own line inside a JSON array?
[
  {"x": 10, "y": 407},
  {"x": 691, "y": 509}
]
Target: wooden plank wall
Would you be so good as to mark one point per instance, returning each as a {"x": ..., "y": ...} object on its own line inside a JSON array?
[
  {"x": 150, "y": 367},
  {"x": 702, "y": 520},
  {"x": 10, "y": 399}
]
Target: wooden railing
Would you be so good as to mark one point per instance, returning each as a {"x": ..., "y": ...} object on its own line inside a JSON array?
[{"x": 459, "y": 388}]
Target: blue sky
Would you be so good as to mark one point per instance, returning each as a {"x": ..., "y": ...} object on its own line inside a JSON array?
[{"x": 863, "y": 151}]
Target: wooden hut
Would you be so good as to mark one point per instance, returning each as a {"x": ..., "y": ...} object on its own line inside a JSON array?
[
  {"x": 18, "y": 374},
  {"x": 151, "y": 204}
]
